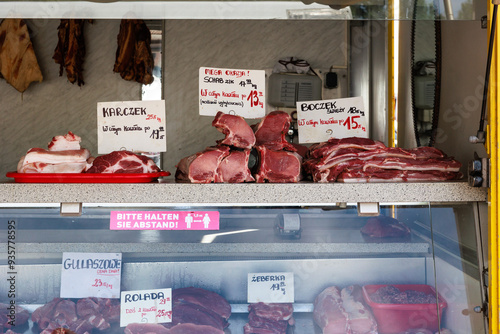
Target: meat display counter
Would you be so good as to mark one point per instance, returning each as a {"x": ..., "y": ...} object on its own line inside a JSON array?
[{"x": 326, "y": 252}]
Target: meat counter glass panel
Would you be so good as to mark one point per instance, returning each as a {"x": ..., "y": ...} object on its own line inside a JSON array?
[{"x": 410, "y": 269}]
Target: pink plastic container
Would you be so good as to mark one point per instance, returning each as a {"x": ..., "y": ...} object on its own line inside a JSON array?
[{"x": 398, "y": 318}]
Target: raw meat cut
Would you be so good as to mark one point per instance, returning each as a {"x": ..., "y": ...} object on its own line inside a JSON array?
[
  {"x": 208, "y": 299},
  {"x": 234, "y": 168},
  {"x": 273, "y": 311},
  {"x": 21, "y": 315},
  {"x": 238, "y": 132},
  {"x": 196, "y": 314},
  {"x": 70, "y": 49},
  {"x": 81, "y": 319},
  {"x": 193, "y": 329},
  {"x": 364, "y": 160},
  {"x": 18, "y": 63},
  {"x": 134, "y": 59},
  {"x": 330, "y": 147},
  {"x": 202, "y": 166},
  {"x": 123, "y": 162},
  {"x": 278, "y": 166},
  {"x": 269, "y": 318},
  {"x": 272, "y": 129},
  {"x": 385, "y": 227},
  {"x": 328, "y": 313},
  {"x": 41, "y": 167},
  {"x": 67, "y": 142},
  {"x": 359, "y": 317},
  {"x": 56, "y": 157},
  {"x": 390, "y": 294},
  {"x": 136, "y": 328}
]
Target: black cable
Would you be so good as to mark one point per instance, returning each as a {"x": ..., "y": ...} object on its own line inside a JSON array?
[{"x": 488, "y": 66}]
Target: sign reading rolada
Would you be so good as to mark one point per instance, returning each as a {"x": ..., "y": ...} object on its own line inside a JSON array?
[{"x": 339, "y": 118}]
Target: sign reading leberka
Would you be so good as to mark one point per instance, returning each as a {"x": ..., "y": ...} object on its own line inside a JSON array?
[
  {"x": 137, "y": 126},
  {"x": 91, "y": 275},
  {"x": 236, "y": 92},
  {"x": 164, "y": 220},
  {"x": 270, "y": 288},
  {"x": 319, "y": 121},
  {"x": 146, "y": 306}
]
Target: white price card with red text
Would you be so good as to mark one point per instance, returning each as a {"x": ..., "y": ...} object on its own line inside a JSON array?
[
  {"x": 236, "y": 92},
  {"x": 137, "y": 126},
  {"x": 91, "y": 275},
  {"x": 146, "y": 306},
  {"x": 319, "y": 121},
  {"x": 270, "y": 288}
]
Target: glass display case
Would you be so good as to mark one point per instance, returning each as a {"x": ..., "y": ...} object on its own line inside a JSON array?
[{"x": 423, "y": 248}]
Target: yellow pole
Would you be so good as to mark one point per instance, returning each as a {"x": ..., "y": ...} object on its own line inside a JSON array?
[
  {"x": 492, "y": 147},
  {"x": 391, "y": 98}
]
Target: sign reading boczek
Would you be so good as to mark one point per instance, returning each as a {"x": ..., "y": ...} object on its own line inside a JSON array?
[
  {"x": 319, "y": 121},
  {"x": 164, "y": 220},
  {"x": 237, "y": 92},
  {"x": 137, "y": 126},
  {"x": 91, "y": 275}
]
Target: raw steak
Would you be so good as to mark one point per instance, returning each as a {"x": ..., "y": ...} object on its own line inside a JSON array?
[
  {"x": 21, "y": 316},
  {"x": 192, "y": 329},
  {"x": 67, "y": 142},
  {"x": 145, "y": 329},
  {"x": 198, "y": 296},
  {"x": 278, "y": 166},
  {"x": 328, "y": 312},
  {"x": 196, "y": 314},
  {"x": 202, "y": 166},
  {"x": 269, "y": 318},
  {"x": 385, "y": 227},
  {"x": 238, "y": 132},
  {"x": 123, "y": 162},
  {"x": 359, "y": 316},
  {"x": 234, "y": 168},
  {"x": 272, "y": 129}
]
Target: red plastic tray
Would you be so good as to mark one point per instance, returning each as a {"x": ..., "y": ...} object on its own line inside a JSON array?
[
  {"x": 398, "y": 318},
  {"x": 86, "y": 177}
]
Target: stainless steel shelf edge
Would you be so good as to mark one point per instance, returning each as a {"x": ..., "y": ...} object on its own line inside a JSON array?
[{"x": 261, "y": 194}]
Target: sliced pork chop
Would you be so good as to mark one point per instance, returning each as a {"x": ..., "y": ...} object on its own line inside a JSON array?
[
  {"x": 272, "y": 129},
  {"x": 278, "y": 166},
  {"x": 238, "y": 132}
]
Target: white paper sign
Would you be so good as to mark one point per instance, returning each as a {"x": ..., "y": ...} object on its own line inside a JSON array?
[
  {"x": 146, "y": 306},
  {"x": 236, "y": 92},
  {"x": 91, "y": 275},
  {"x": 339, "y": 118},
  {"x": 270, "y": 288},
  {"x": 137, "y": 126}
]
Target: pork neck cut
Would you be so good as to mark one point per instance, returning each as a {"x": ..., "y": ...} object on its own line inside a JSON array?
[
  {"x": 123, "y": 162},
  {"x": 272, "y": 129},
  {"x": 278, "y": 166},
  {"x": 237, "y": 131}
]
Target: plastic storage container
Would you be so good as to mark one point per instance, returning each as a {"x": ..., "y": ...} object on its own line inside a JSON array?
[{"x": 398, "y": 318}]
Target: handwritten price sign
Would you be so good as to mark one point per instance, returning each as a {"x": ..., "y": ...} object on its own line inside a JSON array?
[
  {"x": 270, "y": 288},
  {"x": 340, "y": 118},
  {"x": 146, "y": 306},
  {"x": 91, "y": 275},
  {"x": 237, "y": 92},
  {"x": 137, "y": 126}
]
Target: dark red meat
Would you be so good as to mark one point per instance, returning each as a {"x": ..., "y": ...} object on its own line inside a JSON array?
[
  {"x": 238, "y": 132},
  {"x": 278, "y": 166},
  {"x": 385, "y": 227},
  {"x": 234, "y": 168},
  {"x": 196, "y": 314},
  {"x": 21, "y": 315},
  {"x": 271, "y": 131},
  {"x": 208, "y": 299},
  {"x": 123, "y": 162}
]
